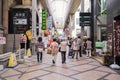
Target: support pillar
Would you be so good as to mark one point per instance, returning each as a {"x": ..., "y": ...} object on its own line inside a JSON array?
[
  {"x": 82, "y": 27},
  {"x": 34, "y": 9}
]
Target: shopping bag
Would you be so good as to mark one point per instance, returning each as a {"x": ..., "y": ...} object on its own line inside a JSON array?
[{"x": 49, "y": 50}]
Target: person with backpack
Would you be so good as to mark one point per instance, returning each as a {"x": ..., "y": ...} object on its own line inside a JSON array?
[{"x": 39, "y": 48}]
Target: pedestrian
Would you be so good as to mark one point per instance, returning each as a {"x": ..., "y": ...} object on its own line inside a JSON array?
[
  {"x": 75, "y": 48},
  {"x": 88, "y": 47},
  {"x": 54, "y": 50},
  {"x": 39, "y": 48},
  {"x": 80, "y": 44},
  {"x": 84, "y": 46},
  {"x": 70, "y": 49},
  {"x": 63, "y": 49}
]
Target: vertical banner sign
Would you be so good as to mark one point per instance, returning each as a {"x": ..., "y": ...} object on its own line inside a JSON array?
[
  {"x": 43, "y": 19},
  {"x": 50, "y": 22},
  {"x": 103, "y": 8}
]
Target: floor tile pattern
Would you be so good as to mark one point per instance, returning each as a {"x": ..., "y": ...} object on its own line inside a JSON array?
[{"x": 84, "y": 68}]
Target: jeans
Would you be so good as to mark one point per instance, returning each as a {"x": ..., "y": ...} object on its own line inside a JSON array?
[
  {"x": 63, "y": 54},
  {"x": 80, "y": 51},
  {"x": 39, "y": 56}
]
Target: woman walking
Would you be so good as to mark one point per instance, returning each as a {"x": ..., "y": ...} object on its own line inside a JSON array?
[
  {"x": 54, "y": 48},
  {"x": 39, "y": 49},
  {"x": 88, "y": 47}
]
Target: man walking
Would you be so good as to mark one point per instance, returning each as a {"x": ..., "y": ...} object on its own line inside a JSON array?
[
  {"x": 80, "y": 44},
  {"x": 63, "y": 47}
]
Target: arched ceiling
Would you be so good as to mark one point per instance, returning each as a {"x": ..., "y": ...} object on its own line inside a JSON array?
[{"x": 60, "y": 9}]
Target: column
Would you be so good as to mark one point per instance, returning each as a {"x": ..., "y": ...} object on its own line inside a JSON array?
[
  {"x": 82, "y": 27},
  {"x": 34, "y": 9}
]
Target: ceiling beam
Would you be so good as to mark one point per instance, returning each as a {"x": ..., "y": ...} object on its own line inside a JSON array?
[{"x": 74, "y": 6}]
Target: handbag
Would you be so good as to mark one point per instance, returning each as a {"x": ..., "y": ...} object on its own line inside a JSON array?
[{"x": 49, "y": 51}]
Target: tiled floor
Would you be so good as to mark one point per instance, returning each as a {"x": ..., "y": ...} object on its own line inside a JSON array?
[{"x": 83, "y": 69}]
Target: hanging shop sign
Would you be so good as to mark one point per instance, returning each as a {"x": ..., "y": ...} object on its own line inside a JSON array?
[
  {"x": 103, "y": 8},
  {"x": 43, "y": 19},
  {"x": 50, "y": 22},
  {"x": 85, "y": 19}
]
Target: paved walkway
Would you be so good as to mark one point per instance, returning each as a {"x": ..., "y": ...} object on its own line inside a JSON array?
[{"x": 83, "y": 69}]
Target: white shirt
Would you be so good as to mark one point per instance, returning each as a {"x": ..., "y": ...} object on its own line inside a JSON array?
[{"x": 63, "y": 46}]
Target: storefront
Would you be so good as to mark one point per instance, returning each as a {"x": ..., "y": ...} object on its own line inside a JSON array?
[{"x": 113, "y": 26}]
